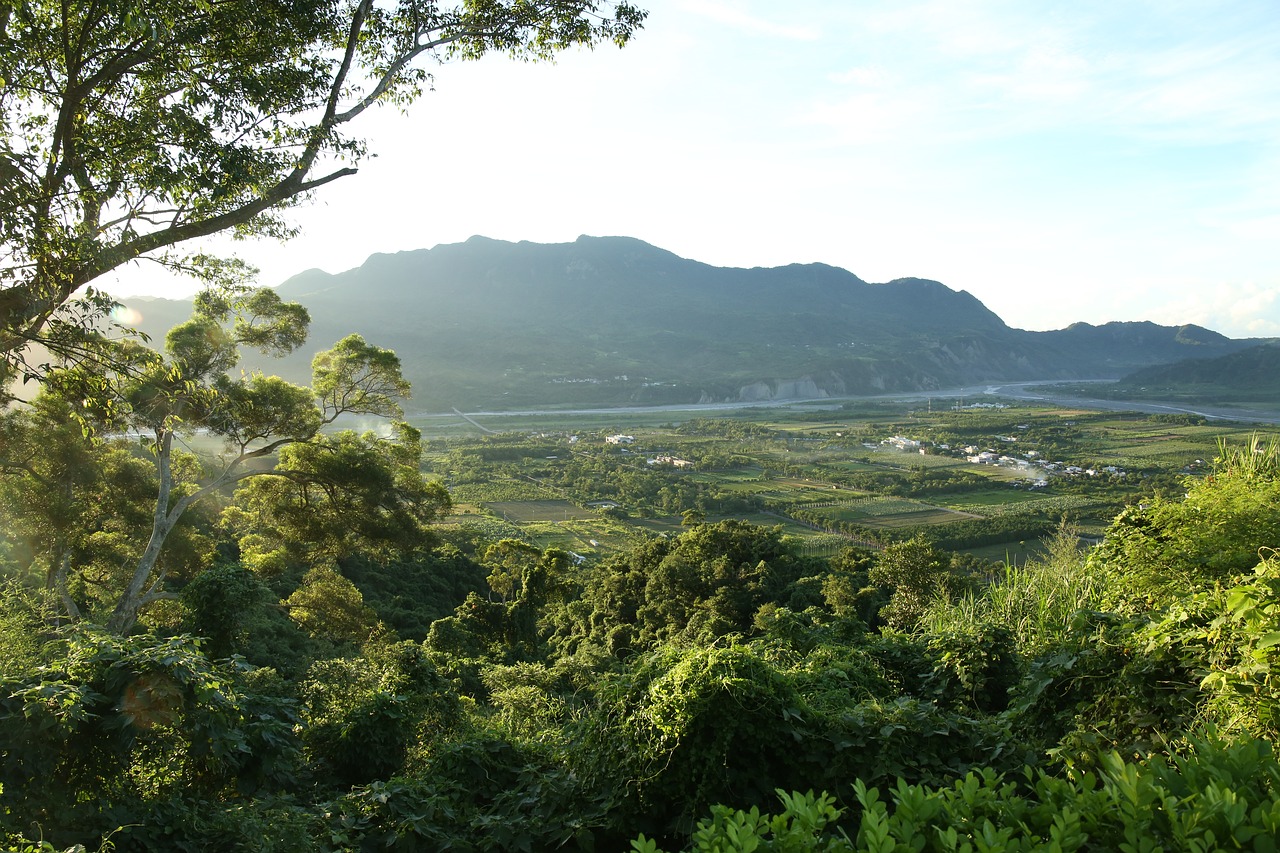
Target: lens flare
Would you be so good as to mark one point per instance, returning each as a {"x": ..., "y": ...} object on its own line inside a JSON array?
[{"x": 126, "y": 316}]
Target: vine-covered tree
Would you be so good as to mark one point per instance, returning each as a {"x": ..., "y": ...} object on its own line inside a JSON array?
[
  {"x": 915, "y": 573},
  {"x": 129, "y": 128}
]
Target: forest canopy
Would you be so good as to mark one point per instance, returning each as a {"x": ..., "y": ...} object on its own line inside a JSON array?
[{"x": 662, "y": 697}]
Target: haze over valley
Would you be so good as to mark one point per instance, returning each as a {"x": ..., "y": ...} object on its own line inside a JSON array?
[{"x": 489, "y": 324}]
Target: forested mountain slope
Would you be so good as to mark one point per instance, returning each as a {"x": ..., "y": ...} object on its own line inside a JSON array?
[
  {"x": 1256, "y": 369},
  {"x": 614, "y": 320}
]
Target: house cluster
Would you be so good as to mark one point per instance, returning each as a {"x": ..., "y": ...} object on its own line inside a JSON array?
[
  {"x": 990, "y": 457},
  {"x": 619, "y": 439},
  {"x": 902, "y": 443},
  {"x": 673, "y": 461},
  {"x": 1032, "y": 460},
  {"x": 1079, "y": 471}
]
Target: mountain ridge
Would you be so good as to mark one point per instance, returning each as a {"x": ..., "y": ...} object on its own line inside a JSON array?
[{"x": 614, "y": 320}]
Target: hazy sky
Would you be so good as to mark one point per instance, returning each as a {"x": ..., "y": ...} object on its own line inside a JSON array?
[{"x": 1094, "y": 161}]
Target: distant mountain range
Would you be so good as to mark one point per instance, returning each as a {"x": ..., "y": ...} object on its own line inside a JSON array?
[{"x": 612, "y": 320}]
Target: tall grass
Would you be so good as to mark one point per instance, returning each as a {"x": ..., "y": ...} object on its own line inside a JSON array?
[
  {"x": 1035, "y": 602},
  {"x": 1257, "y": 458}
]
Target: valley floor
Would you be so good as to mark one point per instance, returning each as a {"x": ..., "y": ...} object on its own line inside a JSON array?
[{"x": 1037, "y": 391}]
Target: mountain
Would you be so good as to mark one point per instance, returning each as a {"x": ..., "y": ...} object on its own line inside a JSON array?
[
  {"x": 1249, "y": 374},
  {"x": 613, "y": 320}
]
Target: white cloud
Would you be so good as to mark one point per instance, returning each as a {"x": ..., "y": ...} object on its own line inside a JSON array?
[
  {"x": 869, "y": 76},
  {"x": 1188, "y": 72},
  {"x": 735, "y": 16},
  {"x": 1063, "y": 161},
  {"x": 1235, "y": 308}
]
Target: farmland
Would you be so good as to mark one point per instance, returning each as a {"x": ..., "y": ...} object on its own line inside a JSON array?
[{"x": 827, "y": 474}]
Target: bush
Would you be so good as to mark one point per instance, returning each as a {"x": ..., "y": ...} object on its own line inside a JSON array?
[
  {"x": 1216, "y": 796},
  {"x": 114, "y": 724}
]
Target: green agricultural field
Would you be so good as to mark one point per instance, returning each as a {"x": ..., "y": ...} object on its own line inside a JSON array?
[
  {"x": 1032, "y": 502},
  {"x": 672, "y": 526},
  {"x": 920, "y": 518},
  {"x": 890, "y": 512},
  {"x": 1009, "y": 553},
  {"x": 979, "y": 501},
  {"x": 902, "y": 459},
  {"x": 747, "y": 475},
  {"x": 796, "y": 459},
  {"x": 511, "y": 490},
  {"x": 587, "y": 537},
  {"x": 530, "y": 512},
  {"x": 765, "y": 519},
  {"x": 854, "y": 466},
  {"x": 816, "y": 488},
  {"x": 779, "y": 489}
]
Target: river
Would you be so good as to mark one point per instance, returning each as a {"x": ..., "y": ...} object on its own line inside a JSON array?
[{"x": 969, "y": 394}]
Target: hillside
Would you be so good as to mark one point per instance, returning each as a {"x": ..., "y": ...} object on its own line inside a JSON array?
[
  {"x": 1249, "y": 374},
  {"x": 492, "y": 324},
  {"x": 1255, "y": 368}
]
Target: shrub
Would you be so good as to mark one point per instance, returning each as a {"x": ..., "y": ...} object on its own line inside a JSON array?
[{"x": 1217, "y": 795}]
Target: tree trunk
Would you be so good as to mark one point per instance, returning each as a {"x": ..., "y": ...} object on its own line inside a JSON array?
[
  {"x": 57, "y": 581},
  {"x": 126, "y": 612}
]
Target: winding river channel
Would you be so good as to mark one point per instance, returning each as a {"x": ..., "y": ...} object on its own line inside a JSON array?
[{"x": 1032, "y": 392}]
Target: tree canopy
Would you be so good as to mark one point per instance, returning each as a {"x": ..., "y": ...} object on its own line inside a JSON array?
[
  {"x": 127, "y": 129},
  {"x": 331, "y": 493}
]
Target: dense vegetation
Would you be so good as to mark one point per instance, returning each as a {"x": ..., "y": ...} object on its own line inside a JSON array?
[
  {"x": 231, "y": 620},
  {"x": 474, "y": 690}
]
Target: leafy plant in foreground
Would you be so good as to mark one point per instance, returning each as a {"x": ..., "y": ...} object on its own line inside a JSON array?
[{"x": 1218, "y": 795}]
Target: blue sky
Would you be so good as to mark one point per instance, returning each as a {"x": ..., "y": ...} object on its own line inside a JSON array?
[{"x": 1084, "y": 161}]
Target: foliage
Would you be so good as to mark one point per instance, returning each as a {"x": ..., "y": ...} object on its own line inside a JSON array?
[
  {"x": 334, "y": 496},
  {"x": 126, "y": 131},
  {"x": 570, "y": 706},
  {"x": 916, "y": 573},
  {"x": 974, "y": 670},
  {"x": 362, "y": 715},
  {"x": 78, "y": 507},
  {"x": 681, "y": 729},
  {"x": 1036, "y": 602},
  {"x": 329, "y": 605},
  {"x": 1158, "y": 553},
  {"x": 1240, "y": 653},
  {"x": 798, "y": 828},
  {"x": 1218, "y": 795},
  {"x": 220, "y": 602},
  {"x": 481, "y": 794},
  {"x": 410, "y": 593},
  {"x": 685, "y": 729},
  {"x": 359, "y": 491},
  {"x": 708, "y": 582},
  {"x": 24, "y": 637},
  {"x": 1112, "y": 682},
  {"x": 111, "y": 723}
]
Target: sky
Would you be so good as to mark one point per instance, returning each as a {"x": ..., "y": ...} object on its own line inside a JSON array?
[{"x": 1062, "y": 161}]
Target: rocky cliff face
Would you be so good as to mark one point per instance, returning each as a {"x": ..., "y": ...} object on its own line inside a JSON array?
[{"x": 785, "y": 389}]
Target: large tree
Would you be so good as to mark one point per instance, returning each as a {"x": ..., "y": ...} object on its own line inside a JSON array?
[
  {"x": 129, "y": 128},
  {"x": 268, "y": 428}
]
